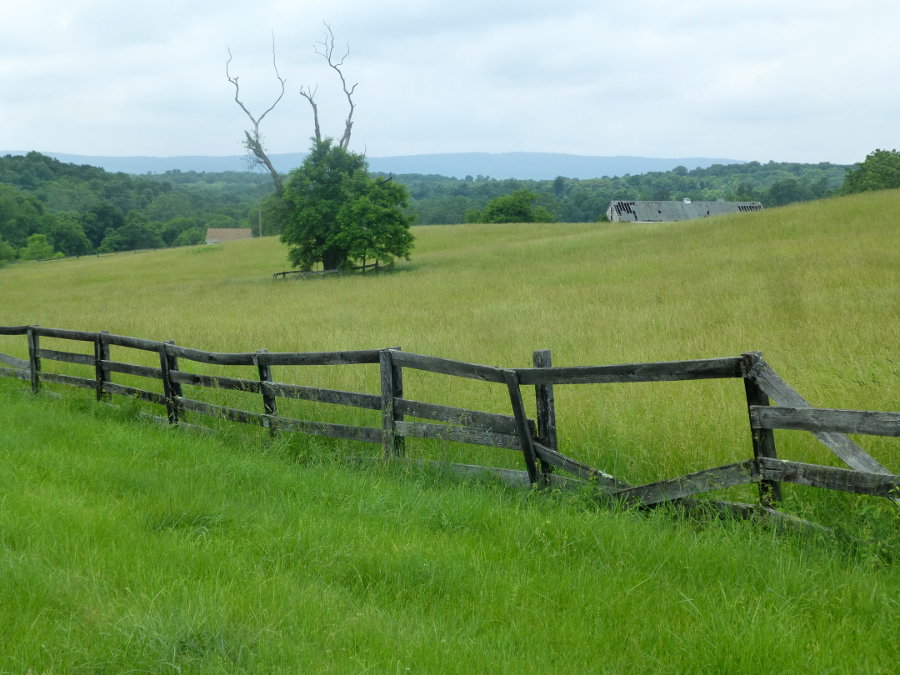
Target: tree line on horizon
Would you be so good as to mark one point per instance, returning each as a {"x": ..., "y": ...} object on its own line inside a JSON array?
[{"x": 49, "y": 208}]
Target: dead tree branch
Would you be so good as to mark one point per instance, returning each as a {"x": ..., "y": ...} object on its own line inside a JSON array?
[
  {"x": 309, "y": 95},
  {"x": 254, "y": 140},
  {"x": 328, "y": 54}
]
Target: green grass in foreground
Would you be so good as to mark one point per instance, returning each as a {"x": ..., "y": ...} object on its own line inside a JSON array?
[{"x": 126, "y": 547}]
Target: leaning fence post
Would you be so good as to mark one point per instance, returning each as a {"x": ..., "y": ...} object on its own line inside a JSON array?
[
  {"x": 763, "y": 439},
  {"x": 546, "y": 407},
  {"x": 270, "y": 404},
  {"x": 34, "y": 359},
  {"x": 391, "y": 388},
  {"x": 518, "y": 406},
  {"x": 101, "y": 354},
  {"x": 172, "y": 390}
]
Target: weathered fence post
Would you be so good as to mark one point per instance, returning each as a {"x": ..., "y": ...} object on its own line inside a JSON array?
[
  {"x": 763, "y": 439},
  {"x": 101, "y": 353},
  {"x": 391, "y": 388},
  {"x": 546, "y": 408},
  {"x": 397, "y": 371},
  {"x": 518, "y": 406},
  {"x": 172, "y": 390},
  {"x": 34, "y": 359},
  {"x": 270, "y": 404}
]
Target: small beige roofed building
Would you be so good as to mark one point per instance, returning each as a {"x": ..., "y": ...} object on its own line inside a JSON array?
[{"x": 216, "y": 235}]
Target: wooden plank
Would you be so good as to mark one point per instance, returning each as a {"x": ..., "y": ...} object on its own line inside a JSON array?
[
  {"x": 275, "y": 358},
  {"x": 503, "y": 424},
  {"x": 786, "y": 521},
  {"x": 546, "y": 408},
  {"x": 101, "y": 354},
  {"x": 56, "y": 378},
  {"x": 213, "y": 358},
  {"x": 346, "y": 432},
  {"x": 224, "y": 412},
  {"x": 434, "y": 364},
  {"x": 165, "y": 420},
  {"x": 719, "y": 478},
  {"x": 579, "y": 469},
  {"x": 397, "y": 377},
  {"x": 389, "y": 434},
  {"x": 131, "y": 369},
  {"x": 320, "y": 358},
  {"x": 17, "y": 373},
  {"x": 34, "y": 359},
  {"x": 132, "y": 392},
  {"x": 14, "y": 362},
  {"x": 666, "y": 371},
  {"x": 65, "y": 334},
  {"x": 525, "y": 439},
  {"x": 13, "y": 330},
  {"x": 172, "y": 362},
  {"x": 168, "y": 389},
  {"x": 270, "y": 404},
  {"x": 67, "y": 357},
  {"x": 333, "y": 396},
  {"x": 445, "y": 432},
  {"x": 869, "y": 422},
  {"x": 130, "y": 342},
  {"x": 216, "y": 382},
  {"x": 830, "y": 478},
  {"x": 763, "y": 439},
  {"x": 784, "y": 395},
  {"x": 513, "y": 477}
]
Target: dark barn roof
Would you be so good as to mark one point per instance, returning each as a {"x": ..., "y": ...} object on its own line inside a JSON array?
[{"x": 669, "y": 212}]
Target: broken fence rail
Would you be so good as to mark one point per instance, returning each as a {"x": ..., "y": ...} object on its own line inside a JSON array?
[{"x": 535, "y": 439}]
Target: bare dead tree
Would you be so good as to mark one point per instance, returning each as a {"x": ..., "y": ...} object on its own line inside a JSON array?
[
  {"x": 327, "y": 52},
  {"x": 309, "y": 95},
  {"x": 254, "y": 140}
]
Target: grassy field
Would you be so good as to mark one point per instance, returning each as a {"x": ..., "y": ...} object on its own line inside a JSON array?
[{"x": 125, "y": 546}]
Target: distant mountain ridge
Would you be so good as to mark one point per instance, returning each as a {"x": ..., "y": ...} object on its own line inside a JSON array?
[{"x": 519, "y": 165}]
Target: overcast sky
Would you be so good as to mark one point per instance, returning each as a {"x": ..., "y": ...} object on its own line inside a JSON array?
[{"x": 789, "y": 80}]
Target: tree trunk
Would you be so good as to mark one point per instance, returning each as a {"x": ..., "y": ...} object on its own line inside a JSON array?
[{"x": 333, "y": 259}]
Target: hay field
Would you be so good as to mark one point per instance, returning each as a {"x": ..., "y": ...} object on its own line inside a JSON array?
[{"x": 814, "y": 286}]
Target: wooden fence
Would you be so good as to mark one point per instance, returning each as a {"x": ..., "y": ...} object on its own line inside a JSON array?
[
  {"x": 536, "y": 440},
  {"x": 362, "y": 269}
]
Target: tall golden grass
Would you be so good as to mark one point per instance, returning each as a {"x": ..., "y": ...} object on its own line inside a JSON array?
[{"x": 814, "y": 286}]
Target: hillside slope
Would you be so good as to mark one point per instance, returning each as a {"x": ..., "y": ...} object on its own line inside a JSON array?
[{"x": 816, "y": 287}]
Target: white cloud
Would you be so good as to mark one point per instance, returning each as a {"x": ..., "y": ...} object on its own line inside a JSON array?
[{"x": 796, "y": 80}]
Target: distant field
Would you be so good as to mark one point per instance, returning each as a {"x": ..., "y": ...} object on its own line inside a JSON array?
[
  {"x": 816, "y": 287},
  {"x": 416, "y": 572}
]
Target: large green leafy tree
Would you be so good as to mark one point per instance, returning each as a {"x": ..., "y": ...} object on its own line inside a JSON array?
[
  {"x": 65, "y": 234},
  {"x": 7, "y": 252},
  {"x": 100, "y": 219},
  {"x": 517, "y": 207},
  {"x": 136, "y": 233},
  {"x": 21, "y": 215},
  {"x": 879, "y": 171},
  {"x": 337, "y": 214},
  {"x": 38, "y": 248}
]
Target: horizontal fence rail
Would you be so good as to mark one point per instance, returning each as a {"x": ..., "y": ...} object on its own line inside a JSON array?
[
  {"x": 827, "y": 419},
  {"x": 667, "y": 371},
  {"x": 534, "y": 439}
]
